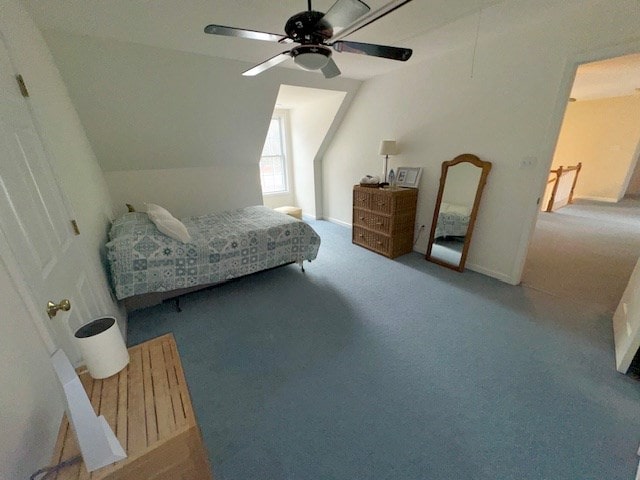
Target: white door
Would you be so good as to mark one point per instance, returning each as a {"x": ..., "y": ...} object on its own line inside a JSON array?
[{"x": 37, "y": 240}]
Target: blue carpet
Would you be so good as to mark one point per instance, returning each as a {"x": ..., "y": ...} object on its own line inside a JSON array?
[{"x": 368, "y": 368}]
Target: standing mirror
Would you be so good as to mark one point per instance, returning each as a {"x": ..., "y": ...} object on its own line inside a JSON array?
[{"x": 461, "y": 184}]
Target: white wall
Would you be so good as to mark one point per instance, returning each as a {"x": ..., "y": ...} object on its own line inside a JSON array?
[
  {"x": 311, "y": 122},
  {"x": 147, "y": 108},
  {"x": 186, "y": 191},
  {"x": 508, "y": 111},
  {"x": 30, "y": 410},
  {"x": 604, "y": 135}
]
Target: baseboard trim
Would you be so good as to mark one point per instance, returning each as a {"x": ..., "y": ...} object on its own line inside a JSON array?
[
  {"x": 599, "y": 199},
  {"x": 476, "y": 268},
  {"x": 338, "y": 222},
  {"x": 306, "y": 216},
  {"x": 491, "y": 273}
]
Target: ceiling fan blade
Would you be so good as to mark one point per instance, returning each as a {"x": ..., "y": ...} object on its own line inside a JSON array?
[
  {"x": 330, "y": 70},
  {"x": 267, "y": 64},
  {"x": 242, "y": 33},
  {"x": 370, "y": 18},
  {"x": 384, "y": 51},
  {"x": 341, "y": 14}
]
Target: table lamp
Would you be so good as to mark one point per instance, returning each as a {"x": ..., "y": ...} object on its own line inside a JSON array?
[{"x": 387, "y": 147}]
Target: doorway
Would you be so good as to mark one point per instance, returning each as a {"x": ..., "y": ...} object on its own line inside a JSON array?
[{"x": 587, "y": 250}]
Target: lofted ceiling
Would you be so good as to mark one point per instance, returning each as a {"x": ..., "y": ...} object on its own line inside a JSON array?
[
  {"x": 178, "y": 25},
  {"x": 291, "y": 96}
]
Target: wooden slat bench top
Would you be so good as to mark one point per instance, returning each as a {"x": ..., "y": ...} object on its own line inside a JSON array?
[{"x": 149, "y": 409}]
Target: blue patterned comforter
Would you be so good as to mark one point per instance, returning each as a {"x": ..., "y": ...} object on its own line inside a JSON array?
[
  {"x": 451, "y": 225},
  {"x": 224, "y": 245}
]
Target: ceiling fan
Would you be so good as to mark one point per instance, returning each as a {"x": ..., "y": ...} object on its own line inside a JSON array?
[{"x": 317, "y": 33}]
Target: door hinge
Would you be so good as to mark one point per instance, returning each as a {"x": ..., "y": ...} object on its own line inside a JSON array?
[
  {"x": 22, "y": 85},
  {"x": 74, "y": 225}
]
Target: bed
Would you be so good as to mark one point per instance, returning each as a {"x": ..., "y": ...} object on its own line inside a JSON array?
[
  {"x": 453, "y": 221},
  {"x": 147, "y": 266}
]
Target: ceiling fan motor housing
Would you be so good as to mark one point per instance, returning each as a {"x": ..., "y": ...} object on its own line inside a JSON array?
[{"x": 308, "y": 28}]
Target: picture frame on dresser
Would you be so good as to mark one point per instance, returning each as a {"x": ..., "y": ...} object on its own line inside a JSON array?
[{"x": 408, "y": 177}]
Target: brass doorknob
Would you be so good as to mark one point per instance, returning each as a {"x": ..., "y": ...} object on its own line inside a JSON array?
[{"x": 52, "y": 308}]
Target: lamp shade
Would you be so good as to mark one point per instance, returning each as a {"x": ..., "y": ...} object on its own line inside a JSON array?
[{"x": 388, "y": 147}]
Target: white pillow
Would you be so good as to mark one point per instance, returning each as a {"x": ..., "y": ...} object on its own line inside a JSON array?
[
  {"x": 444, "y": 207},
  {"x": 453, "y": 208},
  {"x": 459, "y": 209},
  {"x": 167, "y": 223}
]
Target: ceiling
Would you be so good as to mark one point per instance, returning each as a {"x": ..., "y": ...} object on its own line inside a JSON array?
[
  {"x": 290, "y": 96},
  {"x": 178, "y": 25},
  {"x": 614, "y": 77}
]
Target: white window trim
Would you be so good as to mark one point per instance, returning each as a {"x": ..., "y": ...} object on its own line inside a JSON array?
[{"x": 283, "y": 118}]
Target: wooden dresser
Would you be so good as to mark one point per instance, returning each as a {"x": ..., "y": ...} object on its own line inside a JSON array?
[
  {"x": 384, "y": 219},
  {"x": 148, "y": 407}
]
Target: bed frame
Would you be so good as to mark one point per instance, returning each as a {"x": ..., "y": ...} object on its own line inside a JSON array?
[
  {"x": 145, "y": 300},
  {"x": 238, "y": 243}
]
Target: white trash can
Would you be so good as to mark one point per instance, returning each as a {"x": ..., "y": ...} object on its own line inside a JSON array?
[{"x": 102, "y": 347}]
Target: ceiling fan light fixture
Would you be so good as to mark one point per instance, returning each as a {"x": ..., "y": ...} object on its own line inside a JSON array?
[
  {"x": 319, "y": 34},
  {"x": 311, "y": 57}
]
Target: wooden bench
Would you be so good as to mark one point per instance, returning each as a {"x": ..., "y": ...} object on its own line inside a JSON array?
[
  {"x": 148, "y": 407},
  {"x": 294, "y": 212}
]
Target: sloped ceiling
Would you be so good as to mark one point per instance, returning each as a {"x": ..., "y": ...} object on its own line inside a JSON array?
[{"x": 178, "y": 25}]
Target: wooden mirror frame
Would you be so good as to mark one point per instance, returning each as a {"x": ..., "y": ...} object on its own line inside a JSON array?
[{"x": 486, "y": 168}]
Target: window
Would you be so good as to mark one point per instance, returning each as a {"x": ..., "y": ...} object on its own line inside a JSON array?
[{"x": 273, "y": 172}]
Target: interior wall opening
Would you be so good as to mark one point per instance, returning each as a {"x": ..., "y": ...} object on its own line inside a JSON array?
[
  {"x": 586, "y": 247},
  {"x": 291, "y": 164}
]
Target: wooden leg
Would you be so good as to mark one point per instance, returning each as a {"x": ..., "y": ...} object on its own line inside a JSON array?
[{"x": 178, "y": 309}]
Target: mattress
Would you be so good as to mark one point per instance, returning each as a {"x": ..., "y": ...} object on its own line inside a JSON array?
[{"x": 223, "y": 246}]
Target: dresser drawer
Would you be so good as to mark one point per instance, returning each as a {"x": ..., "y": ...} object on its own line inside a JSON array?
[
  {"x": 381, "y": 202},
  {"x": 371, "y": 240},
  {"x": 362, "y": 197},
  {"x": 372, "y": 221}
]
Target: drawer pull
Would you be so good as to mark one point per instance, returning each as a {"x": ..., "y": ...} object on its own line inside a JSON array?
[
  {"x": 361, "y": 235},
  {"x": 378, "y": 223},
  {"x": 381, "y": 203},
  {"x": 363, "y": 199},
  {"x": 361, "y": 218},
  {"x": 379, "y": 243}
]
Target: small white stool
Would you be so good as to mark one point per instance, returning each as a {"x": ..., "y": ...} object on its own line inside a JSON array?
[{"x": 293, "y": 211}]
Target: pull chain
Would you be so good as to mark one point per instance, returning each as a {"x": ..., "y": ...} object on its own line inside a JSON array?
[{"x": 475, "y": 44}]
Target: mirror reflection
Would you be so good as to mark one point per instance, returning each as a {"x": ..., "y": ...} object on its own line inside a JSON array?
[{"x": 461, "y": 185}]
